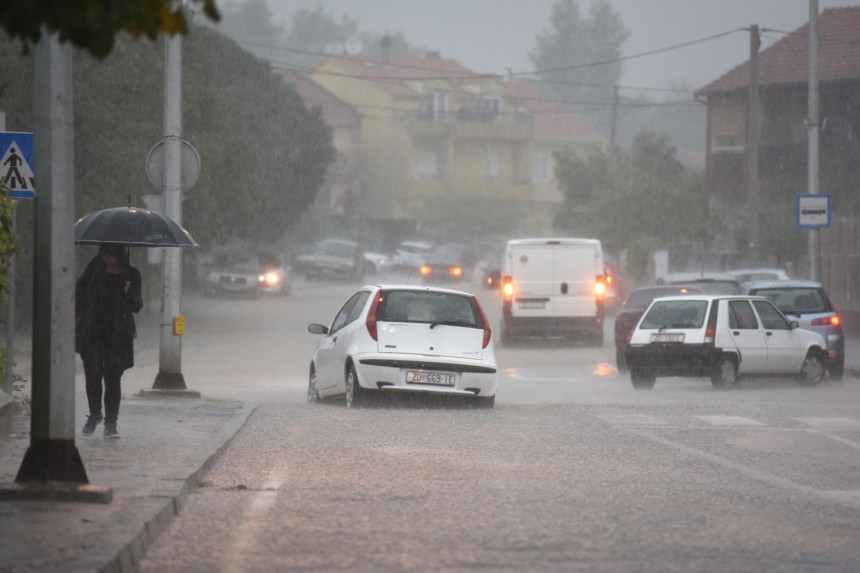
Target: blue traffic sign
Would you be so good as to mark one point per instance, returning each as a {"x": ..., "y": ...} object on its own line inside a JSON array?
[{"x": 16, "y": 164}]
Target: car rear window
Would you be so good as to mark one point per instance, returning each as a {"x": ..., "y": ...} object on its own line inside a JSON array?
[
  {"x": 430, "y": 307},
  {"x": 797, "y": 300},
  {"x": 675, "y": 314}
]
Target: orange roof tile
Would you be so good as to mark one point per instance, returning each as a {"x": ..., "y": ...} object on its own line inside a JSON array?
[
  {"x": 551, "y": 120},
  {"x": 787, "y": 61}
]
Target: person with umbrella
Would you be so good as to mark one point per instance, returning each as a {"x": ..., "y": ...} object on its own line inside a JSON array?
[{"x": 107, "y": 295}]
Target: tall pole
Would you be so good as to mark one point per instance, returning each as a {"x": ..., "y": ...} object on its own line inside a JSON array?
[
  {"x": 812, "y": 128},
  {"x": 753, "y": 150},
  {"x": 170, "y": 352},
  {"x": 612, "y": 133},
  {"x": 52, "y": 455}
]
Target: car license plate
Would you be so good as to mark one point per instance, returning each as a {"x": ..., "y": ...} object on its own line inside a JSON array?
[
  {"x": 667, "y": 337},
  {"x": 437, "y": 378},
  {"x": 523, "y": 304}
]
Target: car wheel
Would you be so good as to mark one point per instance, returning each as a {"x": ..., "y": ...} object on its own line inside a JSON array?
[
  {"x": 725, "y": 372},
  {"x": 485, "y": 403},
  {"x": 620, "y": 360},
  {"x": 313, "y": 387},
  {"x": 642, "y": 379},
  {"x": 812, "y": 371},
  {"x": 356, "y": 396}
]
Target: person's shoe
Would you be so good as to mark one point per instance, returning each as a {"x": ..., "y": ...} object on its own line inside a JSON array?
[
  {"x": 111, "y": 433},
  {"x": 92, "y": 421}
]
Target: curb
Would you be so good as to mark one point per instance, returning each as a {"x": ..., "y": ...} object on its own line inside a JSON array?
[{"x": 170, "y": 499}]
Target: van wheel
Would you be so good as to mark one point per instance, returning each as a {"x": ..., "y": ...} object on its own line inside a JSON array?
[
  {"x": 596, "y": 338},
  {"x": 725, "y": 372},
  {"x": 507, "y": 336},
  {"x": 812, "y": 371},
  {"x": 642, "y": 379}
]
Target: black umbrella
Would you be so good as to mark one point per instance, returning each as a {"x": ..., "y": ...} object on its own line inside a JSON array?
[{"x": 131, "y": 226}]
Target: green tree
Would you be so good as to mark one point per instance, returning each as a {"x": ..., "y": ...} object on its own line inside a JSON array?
[
  {"x": 7, "y": 239},
  {"x": 94, "y": 24},
  {"x": 639, "y": 200},
  {"x": 565, "y": 55}
]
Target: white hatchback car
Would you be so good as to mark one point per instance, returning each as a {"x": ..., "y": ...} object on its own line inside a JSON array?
[
  {"x": 723, "y": 337},
  {"x": 405, "y": 338}
]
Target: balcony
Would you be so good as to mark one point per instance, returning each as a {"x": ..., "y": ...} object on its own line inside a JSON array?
[{"x": 464, "y": 123}]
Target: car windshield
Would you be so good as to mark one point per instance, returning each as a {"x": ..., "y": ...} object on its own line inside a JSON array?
[
  {"x": 429, "y": 307},
  {"x": 675, "y": 314},
  {"x": 797, "y": 300},
  {"x": 237, "y": 262},
  {"x": 642, "y": 298}
]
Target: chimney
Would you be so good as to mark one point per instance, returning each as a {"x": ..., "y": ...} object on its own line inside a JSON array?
[
  {"x": 432, "y": 55},
  {"x": 385, "y": 55}
]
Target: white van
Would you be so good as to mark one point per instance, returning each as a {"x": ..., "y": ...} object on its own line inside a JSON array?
[{"x": 553, "y": 287}]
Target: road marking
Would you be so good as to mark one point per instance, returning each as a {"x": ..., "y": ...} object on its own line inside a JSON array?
[
  {"x": 633, "y": 419},
  {"x": 831, "y": 423},
  {"x": 729, "y": 421},
  {"x": 849, "y": 498}
]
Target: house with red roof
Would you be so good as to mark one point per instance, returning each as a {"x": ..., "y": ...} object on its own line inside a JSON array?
[
  {"x": 442, "y": 145},
  {"x": 343, "y": 183},
  {"x": 783, "y": 76}
]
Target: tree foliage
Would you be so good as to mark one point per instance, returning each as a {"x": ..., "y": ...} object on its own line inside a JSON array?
[
  {"x": 566, "y": 54},
  {"x": 639, "y": 200},
  {"x": 7, "y": 239},
  {"x": 94, "y": 24}
]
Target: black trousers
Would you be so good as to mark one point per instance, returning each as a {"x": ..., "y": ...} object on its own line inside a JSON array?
[{"x": 98, "y": 368}]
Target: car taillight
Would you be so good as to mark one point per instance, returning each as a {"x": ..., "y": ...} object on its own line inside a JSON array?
[
  {"x": 508, "y": 288},
  {"x": 425, "y": 270},
  {"x": 711, "y": 330},
  {"x": 455, "y": 271},
  {"x": 371, "y": 315},
  {"x": 488, "y": 332},
  {"x": 599, "y": 287},
  {"x": 826, "y": 321}
]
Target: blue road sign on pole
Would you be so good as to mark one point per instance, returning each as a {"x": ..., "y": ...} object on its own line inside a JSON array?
[{"x": 16, "y": 164}]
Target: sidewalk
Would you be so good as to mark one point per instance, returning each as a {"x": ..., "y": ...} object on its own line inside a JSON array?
[{"x": 167, "y": 447}]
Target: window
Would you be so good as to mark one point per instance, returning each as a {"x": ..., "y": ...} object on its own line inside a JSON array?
[
  {"x": 741, "y": 316},
  {"x": 675, "y": 314},
  {"x": 344, "y": 315},
  {"x": 439, "y": 105},
  {"x": 493, "y": 165},
  {"x": 492, "y": 105},
  {"x": 771, "y": 318},
  {"x": 429, "y": 307},
  {"x": 540, "y": 167},
  {"x": 429, "y": 163}
]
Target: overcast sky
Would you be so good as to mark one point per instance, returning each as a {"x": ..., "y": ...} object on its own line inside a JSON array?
[{"x": 489, "y": 36}]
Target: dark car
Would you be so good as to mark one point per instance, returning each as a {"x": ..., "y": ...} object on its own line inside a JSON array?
[
  {"x": 807, "y": 303},
  {"x": 451, "y": 262},
  {"x": 713, "y": 283},
  {"x": 248, "y": 273},
  {"x": 630, "y": 312},
  {"x": 490, "y": 266}
]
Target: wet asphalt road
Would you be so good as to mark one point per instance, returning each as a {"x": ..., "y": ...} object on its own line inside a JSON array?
[{"x": 572, "y": 471}]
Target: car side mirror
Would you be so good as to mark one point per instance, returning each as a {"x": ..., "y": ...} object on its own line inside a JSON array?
[
  {"x": 793, "y": 324},
  {"x": 315, "y": 328}
]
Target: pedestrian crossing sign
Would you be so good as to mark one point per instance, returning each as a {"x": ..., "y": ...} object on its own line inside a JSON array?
[{"x": 16, "y": 164}]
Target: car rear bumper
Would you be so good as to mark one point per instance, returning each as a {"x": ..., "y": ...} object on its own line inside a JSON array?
[
  {"x": 673, "y": 359},
  {"x": 387, "y": 372},
  {"x": 552, "y": 325}
]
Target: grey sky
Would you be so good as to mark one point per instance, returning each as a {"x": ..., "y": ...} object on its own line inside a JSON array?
[{"x": 492, "y": 35}]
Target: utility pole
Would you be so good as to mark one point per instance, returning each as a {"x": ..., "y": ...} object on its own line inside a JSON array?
[
  {"x": 169, "y": 375},
  {"x": 812, "y": 129},
  {"x": 612, "y": 136},
  {"x": 753, "y": 151}
]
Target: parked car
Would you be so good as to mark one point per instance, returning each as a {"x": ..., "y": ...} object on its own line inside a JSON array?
[
  {"x": 339, "y": 258},
  {"x": 248, "y": 273},
  {"x": 388, "y": 338},
  {"x": 758, "y": 275},
  {"x": 717, "y": 283},
  {"x": 490, "y": 267},
  {"x": 376, "y": 262},
  {"x": 722, "y": 337},
  {"x": 631, "y": 311},
  {"x": 451, "y": 262},
  {"x": 410, "y": 255},
  {"x": 807, "y": 303}
]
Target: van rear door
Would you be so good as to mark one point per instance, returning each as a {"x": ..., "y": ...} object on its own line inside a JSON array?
[
  {"x": 532, "y": 273},
  {"x": 575, "y": 271}
]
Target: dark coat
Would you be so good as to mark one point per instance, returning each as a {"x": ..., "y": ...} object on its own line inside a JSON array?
[{"x": 104, "y": 313}]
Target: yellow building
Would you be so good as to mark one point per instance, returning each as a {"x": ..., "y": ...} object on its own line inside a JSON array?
[{"x": 439, "y": 139}]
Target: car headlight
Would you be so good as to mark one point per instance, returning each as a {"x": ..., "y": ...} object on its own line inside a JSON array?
[{"x": 269, "y": 279}]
